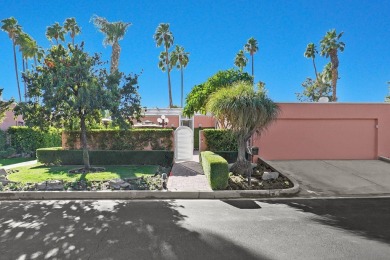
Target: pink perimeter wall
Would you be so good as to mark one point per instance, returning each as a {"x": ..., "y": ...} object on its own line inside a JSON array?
[
  {"x": 327, "y": 131},
  {"x": 9, "y": 119}
]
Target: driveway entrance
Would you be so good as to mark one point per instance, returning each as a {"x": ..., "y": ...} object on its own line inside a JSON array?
[{"x": 338, "y": 177}]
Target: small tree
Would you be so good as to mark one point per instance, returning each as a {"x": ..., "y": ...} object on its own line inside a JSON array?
[
  {"x": 247, "y": 112},
  {"x": 74, "y": 86},
  {"x": 196, "y": 100}
]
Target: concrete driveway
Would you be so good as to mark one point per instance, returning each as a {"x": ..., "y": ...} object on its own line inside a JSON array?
[{"x": 338, "y": 177}]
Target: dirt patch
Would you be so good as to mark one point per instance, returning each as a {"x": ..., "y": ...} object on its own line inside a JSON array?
[{"x": 239, "y": 182}]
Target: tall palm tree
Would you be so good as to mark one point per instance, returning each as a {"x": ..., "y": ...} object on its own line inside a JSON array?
[
  {"x": 180, "y": 59},
  {"x": 25, "y": 43},
  {"x": 164, "y": 36},
  {"x": 240, "y": 60},
  {"x": 71, "y": 27},
  {"x": 311, "y": 52},
  {"x": 330, "y": 45},
  {"x": 246, "y": 111},
  {"x": 11, "y": 26},
  {"x": 55, "y": 31},
  {"x": 114, "y": 32},
  {"x": 251, "y": 47}
]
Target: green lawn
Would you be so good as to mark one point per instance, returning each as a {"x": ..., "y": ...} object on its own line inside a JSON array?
[
  {"x": 4, "y": 162},
  {"x": 38, "y": 173}
]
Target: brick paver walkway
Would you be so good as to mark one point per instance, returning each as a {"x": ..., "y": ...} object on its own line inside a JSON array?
[{"x": 188, "y": 176}]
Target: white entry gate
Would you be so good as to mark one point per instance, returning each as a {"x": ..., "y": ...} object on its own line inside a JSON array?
[{"x": 184, "y": 144}]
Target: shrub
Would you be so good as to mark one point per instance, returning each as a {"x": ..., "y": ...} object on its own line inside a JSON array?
[
  {"x": 220, "y": 140},
  {"x": 216, "y": 170},
  {"x": 229, "y": 156},
  {"x": 7, "y": 153},
  {"x": 113, "y": 139},
  {"x": 109, "y": 157},
  {"x": 3, "y": 140},
  {"x": 26, "y": 140}
]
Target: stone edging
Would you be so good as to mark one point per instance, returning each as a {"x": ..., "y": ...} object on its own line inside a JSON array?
[{"x": 385, "y": 159}]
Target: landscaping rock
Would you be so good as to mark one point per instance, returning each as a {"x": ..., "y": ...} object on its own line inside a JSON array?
[
  {"x": 118, "y": 184},
  {"x": 270, "y": 176},
  {"x": 3, "y": 172},
  {"x": 41, "y": 186},
  {"x": 50, "y": 185},
  {"x": 54, "y": 185}
]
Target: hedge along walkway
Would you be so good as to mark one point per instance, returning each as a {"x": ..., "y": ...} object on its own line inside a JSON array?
[{"x": 188, "y": 176}]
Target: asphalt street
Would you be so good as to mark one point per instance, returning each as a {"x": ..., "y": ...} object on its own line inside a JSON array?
[{"x": 196, "y": 229}]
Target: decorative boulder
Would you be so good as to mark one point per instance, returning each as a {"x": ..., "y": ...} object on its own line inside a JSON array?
[{"x": 270, "y": 176}]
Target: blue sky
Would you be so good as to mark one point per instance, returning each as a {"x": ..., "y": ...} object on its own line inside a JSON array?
[{"x": 214, "y": 31}]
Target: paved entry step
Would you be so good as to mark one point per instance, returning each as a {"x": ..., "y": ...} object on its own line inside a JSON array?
[{"x": 188, "y": 176}]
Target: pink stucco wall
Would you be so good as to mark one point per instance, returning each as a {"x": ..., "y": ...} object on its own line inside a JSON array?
[
  {"x": 204, "y": 121},
  {"x": 327, "y": 131},
  {"x": 9, "y": 119},
  {"x": 173, "y": 120}
]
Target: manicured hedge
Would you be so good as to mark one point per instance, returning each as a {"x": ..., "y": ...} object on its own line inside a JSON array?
[
  {"x": 220, "y": 140},
  {"x": 108, "y": 157},
  {"x": 216, "y": 170},
  {"x": 26, "y": 139},
  {"x": 114, "y": 139},
  {"x": 229, "y": 156}
]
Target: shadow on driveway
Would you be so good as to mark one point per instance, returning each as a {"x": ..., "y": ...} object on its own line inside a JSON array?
[{"x": 365, "y": 217}]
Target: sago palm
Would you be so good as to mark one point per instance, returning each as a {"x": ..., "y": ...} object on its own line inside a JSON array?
[
  {"x": 11, "y": 26},
  {"x": 55, "y": 31},
  {"x": 164, "y": 36},
  {"x": 246, "y": 111},
  {"x": 330, "y": 45},
  {"x": 114, "y": 32},
  {"x": 71, "y": 27},
  {"x": 180, "y": 59},
  {"x": 251, "y": 47},
  {"x": 240, "y": 60}
]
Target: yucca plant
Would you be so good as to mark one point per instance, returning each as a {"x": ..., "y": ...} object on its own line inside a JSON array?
[{"x": 246, "y": 112}]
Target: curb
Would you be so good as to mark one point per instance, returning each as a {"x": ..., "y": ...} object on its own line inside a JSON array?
[
  {"x": 130, "y": 195},
  {"x": 384, "y": 159}
]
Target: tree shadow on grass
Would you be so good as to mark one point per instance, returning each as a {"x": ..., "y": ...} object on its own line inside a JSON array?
[
  {"x": 104, "y": 230},
  {"x": 365, "y": 217}
]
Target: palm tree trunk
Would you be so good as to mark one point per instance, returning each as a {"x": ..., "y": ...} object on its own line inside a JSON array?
[
  {"x": 87, "y": 165},
  {"x": 242, "y": 166},
  {"x": 116, "y": 50},
  {"x": 335, "y": 73},
  {"x": 35, "y": 60},
  {"x": 252, "y": 68},
  {"x": 169, "y": 78},
  {"x": 24, "y": 83},
  {"x": 16, "y": 70},
  {"x": 315, "y": 68},
  {"x": 182, "y": 85}
]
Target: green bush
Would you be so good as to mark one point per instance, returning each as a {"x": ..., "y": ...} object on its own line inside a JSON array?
[
  {"x": 216, "y": 170},
  {"x": 108, "y": 157},
  {"x": 26, "y": 140},
  {"x": 220, "y": 140},
  {"x": 7, "y": 153},
  {"x": 229, "y": 156},
  {"x": 3, "y": 140},
  {"x": 133, "y": 139}
]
